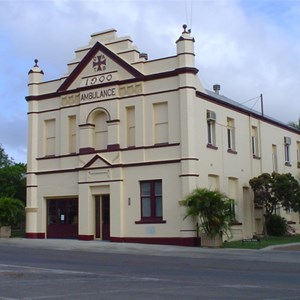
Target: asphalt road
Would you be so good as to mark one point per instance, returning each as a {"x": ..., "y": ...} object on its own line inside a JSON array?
[{"x": 51, "y": 271}]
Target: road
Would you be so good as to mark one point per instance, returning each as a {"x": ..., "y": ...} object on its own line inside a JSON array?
[{"x": 144, "y": 272}]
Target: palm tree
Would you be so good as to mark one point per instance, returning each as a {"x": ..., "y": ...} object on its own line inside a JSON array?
[{"x": 212, "y": 209}]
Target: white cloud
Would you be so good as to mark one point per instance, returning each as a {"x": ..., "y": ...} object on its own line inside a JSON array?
[{"x": 249, "y": 47}]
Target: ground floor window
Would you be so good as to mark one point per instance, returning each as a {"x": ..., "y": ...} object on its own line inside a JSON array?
[{"x": 151, "y": 200}]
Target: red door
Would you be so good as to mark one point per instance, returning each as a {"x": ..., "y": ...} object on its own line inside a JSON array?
[
  {"x": 62, "y": 218},
  {"x": 102, "y": 217},
  {"x": 105, "y": 218}
]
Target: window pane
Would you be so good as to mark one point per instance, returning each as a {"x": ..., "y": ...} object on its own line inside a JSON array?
[
  {"x": 158, "y": 204},
  {"x": 158, "y": 190},
  {"x": 209, "y": 132},
  {"x": 146, "y": 207},
  {"x": 145, "y": 188},
  {"x": 229, "y": 138}
]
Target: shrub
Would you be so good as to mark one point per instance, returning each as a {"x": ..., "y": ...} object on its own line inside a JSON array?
[
  {"x": 212, "y": 208},
  {"x": 277, "y": 226},
  {"x": 11, "y": 211}
]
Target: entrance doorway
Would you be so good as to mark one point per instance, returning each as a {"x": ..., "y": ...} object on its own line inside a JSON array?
[
  {"x": 62, "y": 218},
  {"x": 102, "y": 217}
]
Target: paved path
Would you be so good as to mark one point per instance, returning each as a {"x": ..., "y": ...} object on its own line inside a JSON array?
[{"x": 134, "y": 248}]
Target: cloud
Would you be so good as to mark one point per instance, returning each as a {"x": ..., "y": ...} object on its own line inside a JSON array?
[{"x": 249, "y": 47}]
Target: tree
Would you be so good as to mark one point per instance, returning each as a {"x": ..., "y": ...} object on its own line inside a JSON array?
[
  {"x": 11, "y": 211},
  {"x": 4, "y": 159},
  {"x": 295, "y": 124},
  {"x": 273, "y": 191},
  {"x": 13, "y": 181},
  {"x": 212, "y": 208}
]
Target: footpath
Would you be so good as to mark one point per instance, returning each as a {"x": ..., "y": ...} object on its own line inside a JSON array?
[{"x": 148, "y": 249}]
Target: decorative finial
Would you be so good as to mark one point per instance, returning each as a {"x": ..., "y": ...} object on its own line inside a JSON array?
[
  {"x": 36, "y": 61},
  {"x": 184, "y": 28}
]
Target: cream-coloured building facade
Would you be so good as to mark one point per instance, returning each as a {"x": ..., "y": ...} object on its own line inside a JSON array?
[{"x": 120, "y": 140}]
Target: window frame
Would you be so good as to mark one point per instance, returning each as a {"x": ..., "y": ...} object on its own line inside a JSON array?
[{"x": 153, "y": 217}]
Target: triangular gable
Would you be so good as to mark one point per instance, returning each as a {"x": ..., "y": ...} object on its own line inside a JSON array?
[
  {"x": 93, "y": 58},
  {"x": 97, "y": 162}
]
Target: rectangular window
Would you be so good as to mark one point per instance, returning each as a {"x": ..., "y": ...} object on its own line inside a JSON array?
[
  {"x": 254, "y": 141},
  {"x": 213, "y": 182},
  {"x": 151, "y": 200},
  {"x": 72, "y": 134},
  {"x": 49, "y": 137},
  {"x": 287, "y": 148},
  {"x": 211, "y": 127},
  {"x": 130, "y": 119},
  {"x": 101, "y": 131},
  {"x": 161, "y": 127},
  {"x": 298, "y": 154},
  {"x": 233, "y": 194},
  {"x": 274, "y": 158},
  {"x": 230, "y": 134}
]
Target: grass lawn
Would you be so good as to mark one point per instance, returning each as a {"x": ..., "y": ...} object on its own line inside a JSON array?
[{"x": 265, "y": 242}]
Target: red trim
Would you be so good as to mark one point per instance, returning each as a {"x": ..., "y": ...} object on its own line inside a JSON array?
[
  {"x": 231, "y": 151},
  {"x": 210, "y": 146},
  {"x": 241, "y": 110},
  {"x": 85, "y": 237},
  {"x": 129, "y": 165},
  {"x": 189, "y": 175},
  {"x": 113, "y": 147},
  {"x": 87, "y": 150},
  {"x": 89, "y": 56},
  {"x": 151, "y": 221},
  {"x": 189, "y": 241},
  {"x": 150, "y": 77},
  {"x": 35, "y": 235},
  {"x": 113, "y": 121},
  {"x": 95, "y": 158}
]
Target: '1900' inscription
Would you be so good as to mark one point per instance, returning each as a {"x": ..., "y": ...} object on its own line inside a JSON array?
[{"x": 100, "y": 94}]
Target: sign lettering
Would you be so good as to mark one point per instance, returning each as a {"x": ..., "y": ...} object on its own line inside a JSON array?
[{"x": 98, "y": 94}]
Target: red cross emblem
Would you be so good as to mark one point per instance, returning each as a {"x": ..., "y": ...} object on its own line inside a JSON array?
[{"x": 99, "y": 63}]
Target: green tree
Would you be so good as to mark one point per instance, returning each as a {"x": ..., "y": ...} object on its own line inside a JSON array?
[
  {"x": 11, "y": 211},
  {"x": 295, "y": 124},
  {"x": 273, "y": 191},
  {"x": 4, "y": 158},
  {"x": 13, "y": 181}
]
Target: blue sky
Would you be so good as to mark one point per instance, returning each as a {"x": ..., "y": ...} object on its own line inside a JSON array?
[{"x": 248, "y": 47}]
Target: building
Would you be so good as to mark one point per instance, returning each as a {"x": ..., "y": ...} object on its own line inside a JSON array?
[{"x": 120, "y": 140}]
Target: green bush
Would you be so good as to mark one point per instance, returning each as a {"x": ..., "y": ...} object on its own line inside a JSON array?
[
  {"x": 11, "y": 211},
  {"x": 277, "y": 226},
  {"x": 212, "y": 208}
]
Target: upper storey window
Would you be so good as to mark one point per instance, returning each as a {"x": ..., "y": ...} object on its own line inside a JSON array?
[
  {"x": 287, "y": 149},
  {"x": 230, "y": 134},
  {"x": 50, "y": 137},
  {"x": 254, "y": 142},
  {"x": 161, "y": 127},
  {"x": 130, "y": 115},
  {"x": 72, "y": 134},
  {"x": 211, "y": 128},
  {"x": 100, "y": 131}
]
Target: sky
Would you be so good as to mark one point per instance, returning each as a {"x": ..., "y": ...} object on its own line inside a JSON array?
[{"x": 249, "y": 47}]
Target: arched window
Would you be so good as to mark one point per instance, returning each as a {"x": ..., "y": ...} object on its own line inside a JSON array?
[{"x": 100, "y": 131}]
